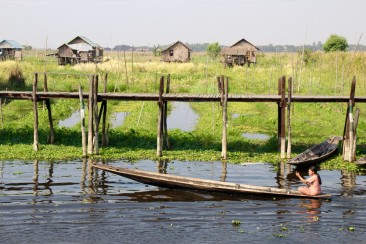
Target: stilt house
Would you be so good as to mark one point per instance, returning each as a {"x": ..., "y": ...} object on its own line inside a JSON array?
[
  {"x": 242, "y": 52},
  {"x": 10, "y": 49},
  {"x": 178, "y": 52},
  {"x": 79, "y": 50}
]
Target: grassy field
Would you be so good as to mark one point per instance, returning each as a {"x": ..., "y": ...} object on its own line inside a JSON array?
[{"x": 316, "y": 74}]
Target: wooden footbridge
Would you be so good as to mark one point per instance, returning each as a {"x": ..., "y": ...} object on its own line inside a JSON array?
[{"x": 163, "y": 97}]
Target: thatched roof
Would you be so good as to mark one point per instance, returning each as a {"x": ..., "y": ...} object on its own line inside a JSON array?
[{"x": 239, "y": 48}]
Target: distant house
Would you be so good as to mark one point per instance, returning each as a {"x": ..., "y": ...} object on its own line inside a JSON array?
[
  {"x": 79, "y": 50},
  {"x": 10, "y": 49},
  {"x": 242, "y": 52},
  {"x": 178, "y": 52}
]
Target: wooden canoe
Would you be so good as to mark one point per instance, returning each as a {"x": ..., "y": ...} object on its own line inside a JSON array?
[
  {"x": 173, "y": 181},
  {"x": 317, "y": 153}
]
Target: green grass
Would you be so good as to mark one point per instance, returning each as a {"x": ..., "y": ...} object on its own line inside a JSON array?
[{"x": 330, "y": 74}]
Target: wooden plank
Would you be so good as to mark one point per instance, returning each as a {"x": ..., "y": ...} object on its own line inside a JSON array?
[{"x": 177, "y": 97}]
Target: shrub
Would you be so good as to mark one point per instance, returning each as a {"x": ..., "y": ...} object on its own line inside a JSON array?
[{"x": 16, "y": 78}]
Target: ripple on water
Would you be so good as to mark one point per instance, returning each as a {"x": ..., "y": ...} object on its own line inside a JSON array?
[{"x": 68, "y": 202}]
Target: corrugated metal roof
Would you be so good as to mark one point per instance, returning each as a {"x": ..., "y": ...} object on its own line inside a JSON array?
[
  {"x": 93, "y": 44},
  {"x": 83, "y": 47},
  {"x": 12, "y": 43}
]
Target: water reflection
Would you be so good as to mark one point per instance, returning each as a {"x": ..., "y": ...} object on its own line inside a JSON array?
[
  {"x": 223, "y": 171},
  {"x": 182, "y": 117},
  {"x": 35, "y": 177},
  {"x": 71, "y": 121},
  {"x": 1, "y": 169},
  {"x": 83, "y": 175},
  {"x": 348, "y": 182},
  {"x": 162, "y": 166},
  {"x": 312, "y": 209}
]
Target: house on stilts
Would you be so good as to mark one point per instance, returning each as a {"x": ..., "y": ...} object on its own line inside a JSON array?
[
  {"x": 79, "y": 50},
  {"x": 241, "y": 53},
  {"x": 10, "y": 49}
]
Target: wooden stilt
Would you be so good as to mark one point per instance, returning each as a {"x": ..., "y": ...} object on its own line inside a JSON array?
[
  {"x": 289, "y": 118},
  {"x": 349, "y": 144},
  {"x": 51, "y": 135},
  {"x": 35, "y": 111},
  {"x": 159, "y": 149},
  {"x": 279, "y": 117},
  {"x": 82, "y": 119},
  {"x": 104, "y": 104},
  {"x": 90, "y": 115},
  {"x": 224, "y": 117},
  {"x": 219, "y": 88},
  {"x": 96, "y": 116},
  {"x": 165, "y": 125},
  {"x": 353, "y": 151},
  {"x": 1, "y": 113},
  {"x": 283, "y": 117}
]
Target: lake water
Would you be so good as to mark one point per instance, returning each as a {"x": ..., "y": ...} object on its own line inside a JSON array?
[
  {"x": 182, "y": 117},
  {"x": 70, "y": 121},
  {"x": 68, "y": 202},
  {"x": 118, "y": 118}
]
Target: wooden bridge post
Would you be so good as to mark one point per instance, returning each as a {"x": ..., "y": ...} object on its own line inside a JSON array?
[
  {"x": 165, "y": 125},
  {"x": 51, "y": 136},
  {"x": 104, "y": 105},
  {"x": 349, "y": 132},
  {"x": 35, "y": 111},
  {"x": 159, "y": 149},
  {"x": 90, "y": 115},
  {"x": 82, "y": 118},
  {"x": 281, "y": 116},
  {"x": 1, "y": 113},
  {"x": 225, "y": 90},
  {"x": 289, "y": 117},
  {"x": 219, "y": 88},
  {"x": 96, "y": 117}
]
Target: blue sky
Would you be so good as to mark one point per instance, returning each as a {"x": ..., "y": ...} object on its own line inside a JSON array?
[{"x": 153, "y": 22}]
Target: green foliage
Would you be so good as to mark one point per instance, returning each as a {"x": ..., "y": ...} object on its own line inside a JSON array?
[
  {"x": 213, "y": 50},
  {"x": 308, "y": 56},
  {"x": 335, "y": 43}
]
